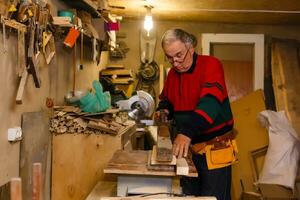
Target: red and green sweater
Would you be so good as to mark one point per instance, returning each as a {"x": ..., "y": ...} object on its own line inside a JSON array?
[{"x": 198, "y": 100}]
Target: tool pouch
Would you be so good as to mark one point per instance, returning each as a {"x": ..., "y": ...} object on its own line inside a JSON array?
[{"x": 221, "y": 154}]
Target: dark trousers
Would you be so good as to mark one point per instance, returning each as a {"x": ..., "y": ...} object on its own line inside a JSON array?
[{"x": 216, "y": 182}]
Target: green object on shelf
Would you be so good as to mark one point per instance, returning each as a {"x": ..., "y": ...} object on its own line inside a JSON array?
[
  {"x": 95, "y": 102},
  {"x": 66, "y": 13}
]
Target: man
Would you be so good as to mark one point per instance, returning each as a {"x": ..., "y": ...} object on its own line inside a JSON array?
[{"x": 195, "y": 96}]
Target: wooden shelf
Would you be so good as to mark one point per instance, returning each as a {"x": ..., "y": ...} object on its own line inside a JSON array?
[{"x": 86, "y": 5}]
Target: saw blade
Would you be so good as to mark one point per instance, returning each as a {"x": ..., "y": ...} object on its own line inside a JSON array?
[{"x": 148, "y": 102}]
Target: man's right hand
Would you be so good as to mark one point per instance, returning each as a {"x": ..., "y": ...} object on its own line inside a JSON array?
[{"x": 161, "y": 116}]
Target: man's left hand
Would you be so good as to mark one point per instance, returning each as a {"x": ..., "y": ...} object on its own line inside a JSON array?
[{"x": 181, "y": 146}]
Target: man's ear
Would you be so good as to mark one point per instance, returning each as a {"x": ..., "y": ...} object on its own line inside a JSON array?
[{"x": 192, "y": 50}]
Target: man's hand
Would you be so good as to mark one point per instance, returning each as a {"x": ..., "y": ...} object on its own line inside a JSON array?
[
  {"x": 161, "y": 116},
  {"x": 181, "y": 146}
]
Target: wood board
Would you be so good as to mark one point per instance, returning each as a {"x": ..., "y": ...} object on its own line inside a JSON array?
[
  {"x": 135, "y": 163},
  {"x": 164, "y": 144},
  {"x": 35, "y": 147},
  {"x": 154, "y": 161},
  {"x": 286, "y": 78}
]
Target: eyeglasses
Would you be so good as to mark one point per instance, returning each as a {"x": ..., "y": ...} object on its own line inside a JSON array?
[{"x": 179, "y": 57}]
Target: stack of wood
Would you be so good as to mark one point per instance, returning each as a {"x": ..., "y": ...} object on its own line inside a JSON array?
[
  {"x": 118, "y": 74},
  {"x": 162, "y": 158},
  {"x": 70, "y": 119}
]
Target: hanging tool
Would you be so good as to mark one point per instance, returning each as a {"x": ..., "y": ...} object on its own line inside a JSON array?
[
  {"x": 95, "y": 52},
  {"x": 74, "y": 68},
  {"x": 31, "y": 59},
  {"x": 81, "y": 50}
]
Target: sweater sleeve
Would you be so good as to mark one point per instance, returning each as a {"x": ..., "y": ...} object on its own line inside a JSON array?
[{"x": 165, "y": 104}]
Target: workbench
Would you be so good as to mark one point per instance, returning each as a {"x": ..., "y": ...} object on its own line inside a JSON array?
[{"x": 135, "y": 176}]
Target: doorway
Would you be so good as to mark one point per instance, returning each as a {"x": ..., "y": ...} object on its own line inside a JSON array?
[{"x": 242, "y": 56}]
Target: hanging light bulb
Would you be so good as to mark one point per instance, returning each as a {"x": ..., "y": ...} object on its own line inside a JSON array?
[{"x": 148, "y": 22}]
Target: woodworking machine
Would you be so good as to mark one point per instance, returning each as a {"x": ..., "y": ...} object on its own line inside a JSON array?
[{"x": 138, "y": 106}]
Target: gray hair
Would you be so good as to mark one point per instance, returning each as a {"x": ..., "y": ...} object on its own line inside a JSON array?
[{"x": 173, "y": 35}]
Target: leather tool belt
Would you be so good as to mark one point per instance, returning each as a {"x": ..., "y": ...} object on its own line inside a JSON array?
[{"x": 220, "y": 151}]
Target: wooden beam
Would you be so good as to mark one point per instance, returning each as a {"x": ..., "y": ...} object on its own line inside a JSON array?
[
  {"x": 164, "y": 144},
  {"x": 21, "y": 87},
  {"x": 118, "y": 72},
  {"x": 182, "y": 167}
]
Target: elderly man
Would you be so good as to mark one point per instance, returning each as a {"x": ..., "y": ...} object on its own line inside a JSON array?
[{"x": 195, "y": 96}]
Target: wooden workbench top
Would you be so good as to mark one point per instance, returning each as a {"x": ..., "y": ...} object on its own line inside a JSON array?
[{"x": 136, "y": 163}]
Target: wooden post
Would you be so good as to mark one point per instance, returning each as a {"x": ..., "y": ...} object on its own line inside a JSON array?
[
  {"x": 37, "y": 181},
  {"x": 16, "y": 189}
]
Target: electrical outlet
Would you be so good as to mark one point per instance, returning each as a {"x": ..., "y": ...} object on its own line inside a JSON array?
[{"x": 14, "y": 134}]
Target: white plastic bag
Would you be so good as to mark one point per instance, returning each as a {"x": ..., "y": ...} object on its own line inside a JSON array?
[{"x": 282, "y": 158}]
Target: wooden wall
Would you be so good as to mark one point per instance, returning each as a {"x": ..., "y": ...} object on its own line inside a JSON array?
[
  {"x": 78, "y": 161},
  {"x": 56, "y": 81}
]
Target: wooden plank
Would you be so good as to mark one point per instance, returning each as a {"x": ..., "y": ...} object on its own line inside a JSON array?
[
  {"x": 16, "y": 189},
  {"x": 49, "y": 49},
  {"x": 118, "y": 72},
  {"x": 289, "y": 75},
  {"x": 132, "y": 162},
  {"x": 122, "y": 80},
  {"x": 164, "y": 144},
  {"x": 21, "y": 53},
  {"x": 158, "y": 167},
  {"x": 277, "y": 82},
  {"x": 102, "y": 127},
  {"x": 78, "y": 161},
  {"x": 135, "y": 163},
  {"x": 34, "y": 148},
  {"x": 182, "y": 167},
  {"x": 108, "y": 111},
  {"x": 21, "y": 87},
  {"x": 154, "y": 161},
  {"x": 115, "y": 66}
]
